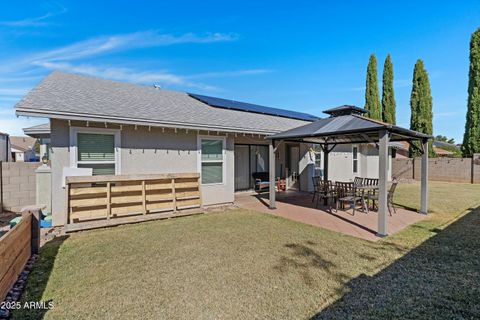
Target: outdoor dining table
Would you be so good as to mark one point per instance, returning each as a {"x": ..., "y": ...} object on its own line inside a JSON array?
[{"x": 367, "y": 188}]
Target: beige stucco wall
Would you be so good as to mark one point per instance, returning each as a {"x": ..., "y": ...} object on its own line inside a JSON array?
[
  {"x": 341, "y": 163},
  {"x": 143, "y": 151}
]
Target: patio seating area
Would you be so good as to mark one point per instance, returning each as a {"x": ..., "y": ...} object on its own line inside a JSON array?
[{"x": 298, "y": 206}]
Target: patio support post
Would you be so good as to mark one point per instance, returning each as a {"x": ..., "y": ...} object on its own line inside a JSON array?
[
  {"x": 325, "y": 162},
  {"x": 382, "y": 183},
  {"x": 424, "y": 182},
  {"x": 271, "y": 171}
]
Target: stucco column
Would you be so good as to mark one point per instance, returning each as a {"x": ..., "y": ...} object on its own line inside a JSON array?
[
  {"x": 271, "y": 171},
  {"x": 44, "y": 187},
  {"x": 382, "y": 183},
  {"x": 424, "y": 182}
]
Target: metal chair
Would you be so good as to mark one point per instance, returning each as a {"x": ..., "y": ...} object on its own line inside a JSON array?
[
  {"x": 358, "y": 181},
  {"x": 370, "y": 182},
  {"x": 347, "y": 193},
  {"x": 326, "y": 192},
  {"x": 316, "y": 187},
  {"x": 390, "y": 194}
]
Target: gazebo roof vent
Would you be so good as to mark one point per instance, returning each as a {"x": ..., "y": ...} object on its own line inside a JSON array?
[{"x": 345, "y": 110}]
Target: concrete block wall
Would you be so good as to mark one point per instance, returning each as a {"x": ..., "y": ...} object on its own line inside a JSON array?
[
  {"x": 19, "y": 185},
  {"x": 463, "y": 170}
]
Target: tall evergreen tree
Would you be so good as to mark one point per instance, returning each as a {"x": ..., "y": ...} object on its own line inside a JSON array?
[
  {"x": 372, "y": 98},
  {"x": 471, "y": 138},
  {"x": 388, "y": 96},
  {"x": 421, "y": 106}
]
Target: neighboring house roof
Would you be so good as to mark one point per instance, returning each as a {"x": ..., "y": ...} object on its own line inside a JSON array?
[
  {"x": 22, "y": 143},
  {"x": 442, "y": 152},
  {"x": 70, "y": 96},
  {"x": 443, "y": 144},
  {"x": 400, "y": 145},
  {"x": 347, "y": 129},
  {"x": 38, "y": 131}
]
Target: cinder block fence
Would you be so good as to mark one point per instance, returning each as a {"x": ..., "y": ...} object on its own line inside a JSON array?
[
  {"x": 464, "y": 170},
  {"x": 18, "y": 184}
]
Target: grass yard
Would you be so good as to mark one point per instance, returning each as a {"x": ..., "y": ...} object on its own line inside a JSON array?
[{"x": 243, "y": 264}]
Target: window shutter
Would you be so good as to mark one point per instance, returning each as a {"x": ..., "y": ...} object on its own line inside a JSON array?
[{"x": 96, "y": 147}]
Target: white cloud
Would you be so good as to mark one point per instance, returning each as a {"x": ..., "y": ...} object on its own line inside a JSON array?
[
  {"x": 39, "y": 21},
  {"x": 126, "y": 74},
  {"x": 122, "y": 42}
]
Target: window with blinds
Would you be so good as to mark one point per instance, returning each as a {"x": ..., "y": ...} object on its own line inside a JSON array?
[
  {"x": 212, "y": 161},
  {"x": 96, "y": 151}
]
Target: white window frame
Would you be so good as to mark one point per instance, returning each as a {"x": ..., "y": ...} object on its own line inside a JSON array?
[
  {"x": 74, "y": 146},
  {"x": 223, "y": 161},
  {"x": 355, "y": 146},
  {"x": 318, "y": 155}
]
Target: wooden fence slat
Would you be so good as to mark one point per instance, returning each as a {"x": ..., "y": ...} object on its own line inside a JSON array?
[
  {"x": 144, "y": 198},
  {"x": 15, "y": 250},
  {"x": 109, "y": 197},
  {"x": 109, "y": 200}
]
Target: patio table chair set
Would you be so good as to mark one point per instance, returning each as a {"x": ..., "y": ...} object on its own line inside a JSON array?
[{"x": 362, "y": 191}]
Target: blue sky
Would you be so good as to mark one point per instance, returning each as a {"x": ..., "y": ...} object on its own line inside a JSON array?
[{"x": 302, "y": 55}]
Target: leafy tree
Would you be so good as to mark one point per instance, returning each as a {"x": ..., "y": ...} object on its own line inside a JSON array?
[
  {"x": 444, "y": 139},
  {"x": 372, "y": 98},
  {"x": 471, "y": 138},
  {"x": 421, "y": 106},
  {"x": 388, "y": 96}
]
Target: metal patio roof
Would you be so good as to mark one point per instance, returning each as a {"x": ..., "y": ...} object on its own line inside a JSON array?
[{"x": 347, "y": 129}]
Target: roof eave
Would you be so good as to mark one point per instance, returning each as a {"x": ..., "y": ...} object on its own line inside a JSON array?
[{"x": 135, "y": 121}]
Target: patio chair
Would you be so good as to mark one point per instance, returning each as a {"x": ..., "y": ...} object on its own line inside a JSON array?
[
  {"x": 346, "y": 193},
  {"x": 316, "y": 187},
  {"x": 326, "y": 192},
  {"x": 370, "y": 182},
  {"x": 358, "y": 181},
  {"x": 390, "y": 194}
]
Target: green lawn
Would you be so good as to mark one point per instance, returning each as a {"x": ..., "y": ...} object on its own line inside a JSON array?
[{"x": 243, "y": 264}]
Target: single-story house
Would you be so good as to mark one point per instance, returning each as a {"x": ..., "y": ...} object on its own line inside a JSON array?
[
  {"x": 41, "y": 133},
  {"x": 23, "y": 149},
  {"x": 118, "y": 128},
  {"x": 440, "y": 148}
]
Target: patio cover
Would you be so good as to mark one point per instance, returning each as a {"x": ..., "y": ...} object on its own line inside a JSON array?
[{"x": 350, "y": 127}]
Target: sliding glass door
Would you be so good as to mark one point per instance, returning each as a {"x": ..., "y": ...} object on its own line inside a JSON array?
[{"x": 248, "y": 160}]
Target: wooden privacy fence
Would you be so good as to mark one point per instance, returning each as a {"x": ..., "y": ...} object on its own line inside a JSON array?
[
  {"x": 16, "y": 247},
  {"x": 97, "y": 201}
]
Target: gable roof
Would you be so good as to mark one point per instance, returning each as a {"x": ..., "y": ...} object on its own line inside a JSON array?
[
  {"x": 41, "y": 130},
  {"x": 22, "y": 143},
  {"x": 75, "y": 97}
]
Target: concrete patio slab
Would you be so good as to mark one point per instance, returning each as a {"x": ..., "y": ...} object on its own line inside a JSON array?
[{"x": 298, "y": 206}]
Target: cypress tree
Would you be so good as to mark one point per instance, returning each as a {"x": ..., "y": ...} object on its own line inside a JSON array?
[
  {"x": 471, "y": 137},
  {"x": 421, "y": 106},
  {"x": 388, "y": 96},
  {"x": 372, "y": 98}
]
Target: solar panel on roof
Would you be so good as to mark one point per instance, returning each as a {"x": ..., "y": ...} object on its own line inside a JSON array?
[{"x": 249, "y": 107}]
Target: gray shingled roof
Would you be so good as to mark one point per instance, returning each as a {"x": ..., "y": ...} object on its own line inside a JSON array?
[
  {"x": 43, "y": 128},
  {"x": 70, "y": 96},
  {"x": 346, "y": 129}
]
